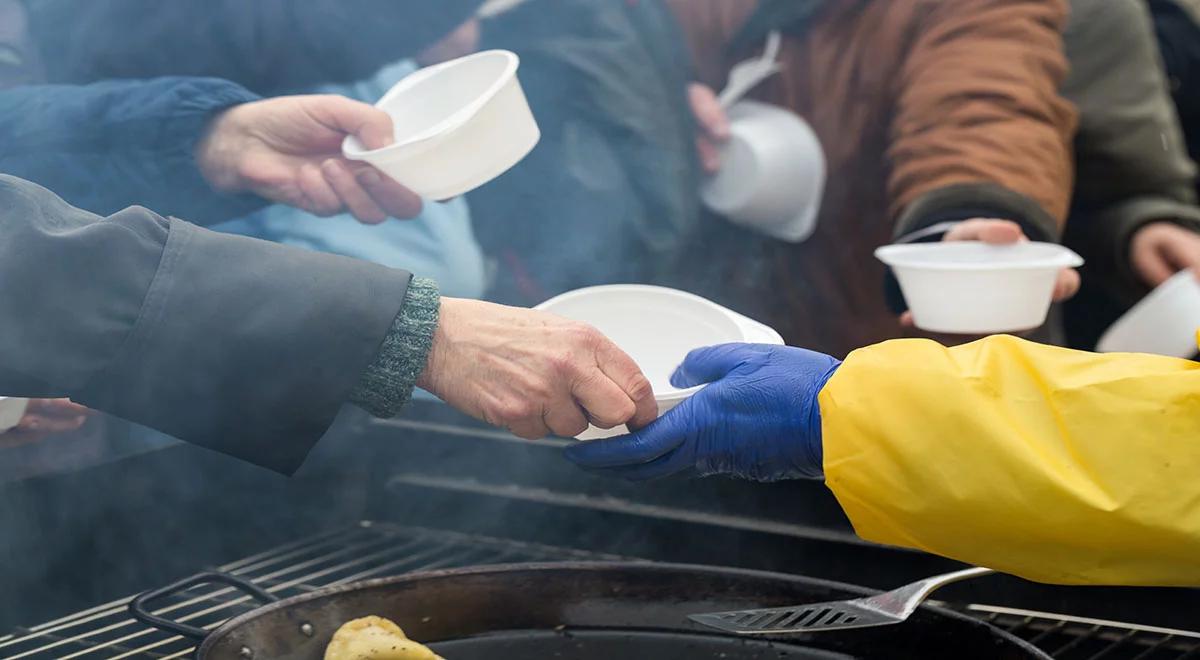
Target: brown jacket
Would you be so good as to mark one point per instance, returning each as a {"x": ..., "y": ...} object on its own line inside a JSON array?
[{"x": 928, "y": 110}]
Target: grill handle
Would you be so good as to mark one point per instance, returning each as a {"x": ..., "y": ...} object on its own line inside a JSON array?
[{"x": 139, "y": 607}]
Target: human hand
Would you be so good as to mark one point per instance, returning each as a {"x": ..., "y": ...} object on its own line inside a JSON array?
[
  {"x": 533, "y": 373},
  {"x": 289, "y": 150},
  {"x": 758, "y": 419},
  {"x": 1160, "y": 249},
  {"x": 45, "y": 417},
  {"x": 1002, "y": 232},
  {"x": 713, "y": 124}
]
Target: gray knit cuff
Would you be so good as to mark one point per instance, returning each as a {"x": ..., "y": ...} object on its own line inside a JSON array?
[{"x": 388, "y": 382}]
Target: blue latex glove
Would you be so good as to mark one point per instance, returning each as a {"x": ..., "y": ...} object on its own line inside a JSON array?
[{"x": 758, "y": 419}]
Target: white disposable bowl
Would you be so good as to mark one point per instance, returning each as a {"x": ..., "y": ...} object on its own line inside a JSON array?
[
  {"x": 12, "y": 409},
  {"x": 1164, "y": 322},
  {"x": 657, "y": 327},
  {"x": 974, "y": 288},
  {"x": 458, "y": 125},
  {"x": 772, "y": 173}
]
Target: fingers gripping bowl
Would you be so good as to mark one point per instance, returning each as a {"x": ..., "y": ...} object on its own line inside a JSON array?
[
  {"x": 970, "y": 287},
  {"x": 458, "y": 125},
  {"x": 657, "y": 327}
]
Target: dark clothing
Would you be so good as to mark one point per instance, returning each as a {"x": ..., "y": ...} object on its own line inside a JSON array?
[
  {"x": 1132, "y": 159},
  {"x": 1177, "y": 24},
  {"x": 269, "y": 46},
  {"x": 169, "y": 325},
  {"x": 239, "y": 345},
  {"x": 110, "y": 145},
  {"x": 612, "y": 186},
  {"x": 1132, "y": 162}
]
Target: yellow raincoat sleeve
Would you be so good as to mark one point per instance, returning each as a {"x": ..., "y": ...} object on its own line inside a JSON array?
[{"x": 1056, "y": 465}]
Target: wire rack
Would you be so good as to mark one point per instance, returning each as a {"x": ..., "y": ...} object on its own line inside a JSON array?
[
  {"x": 366, "y": 550},
  {"x": 1078, "y": 638},
  {"x": 369, "y": 550}
]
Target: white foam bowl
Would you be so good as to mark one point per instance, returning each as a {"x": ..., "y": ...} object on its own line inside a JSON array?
[
  {"x": 657, "y": 327},
  {"x": 12, "y": 409},
  {"x": 772, "y": 173},
  {"x": 973, "y": 288},
  {"x": 458, "y": 125},
  {"x": 1164, "y": 322}
]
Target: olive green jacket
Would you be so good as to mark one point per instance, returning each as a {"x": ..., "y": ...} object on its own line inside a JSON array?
[{"x": 1132, "y": 162}]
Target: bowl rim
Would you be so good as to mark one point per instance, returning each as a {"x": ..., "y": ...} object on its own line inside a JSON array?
[
  {"x": 1168, "y": 294},
  {"x": 450, "y": 123},
  {"x": 908, "y": 256}
]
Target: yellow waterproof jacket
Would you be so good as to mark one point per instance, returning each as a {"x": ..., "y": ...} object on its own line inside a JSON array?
[{"x": 1056, "y": 465}]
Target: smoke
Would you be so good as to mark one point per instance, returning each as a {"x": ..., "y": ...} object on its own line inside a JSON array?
[
  {"x": 115, "y": 509},
  {"x": 608, "y": 196}
]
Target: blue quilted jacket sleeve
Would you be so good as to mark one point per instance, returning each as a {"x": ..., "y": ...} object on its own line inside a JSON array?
[{"x": 114, "y": 144}]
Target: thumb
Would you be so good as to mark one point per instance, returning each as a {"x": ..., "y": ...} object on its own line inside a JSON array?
[
  {"x": 642, "y": 446},
  {"x": 372, "y": 126},
  {"x": 704, "y": 365}
]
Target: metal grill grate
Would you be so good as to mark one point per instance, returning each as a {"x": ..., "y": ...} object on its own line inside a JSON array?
[
  {"x": 1078, "y": 638},
  {"x": 370, "y": 550},
  {"x": 367, "y": 550}
]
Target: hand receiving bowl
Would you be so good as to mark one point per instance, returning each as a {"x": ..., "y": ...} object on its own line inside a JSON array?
[
  {"x": 458, "y": 125},
  {"x": 657, "y": 327},
  {"x": 973, "y": 288}
]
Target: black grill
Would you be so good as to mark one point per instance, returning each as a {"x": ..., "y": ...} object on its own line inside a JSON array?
[{"x": 371, "y": 550}]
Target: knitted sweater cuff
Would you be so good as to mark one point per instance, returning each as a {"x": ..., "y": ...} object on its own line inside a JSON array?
[{"x": 388, "y": 382}]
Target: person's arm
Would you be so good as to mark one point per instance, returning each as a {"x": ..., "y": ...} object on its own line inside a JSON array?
[
  {"x": 250, "y": 348},
  {"x": 979, "y": 129},
  {"x": 198, "y": 148},
  {"x": 269, "y": 46},
  {"x": 1056, "y": 465},
  {"x": 243, "y": 346},
  {"x": 107, "y": 146},
  {"x": 1177, "y": 25}
]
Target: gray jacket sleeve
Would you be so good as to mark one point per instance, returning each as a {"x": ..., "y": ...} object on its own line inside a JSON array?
[
  {"x": 243, "y": 346},
  {"x": 1133, "y": 167}
]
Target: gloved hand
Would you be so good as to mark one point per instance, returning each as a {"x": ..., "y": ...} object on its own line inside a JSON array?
[{"x": 758, "y": 419}]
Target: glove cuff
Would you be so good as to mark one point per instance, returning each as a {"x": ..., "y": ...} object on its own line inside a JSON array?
[{"x": 812, "y": 446}]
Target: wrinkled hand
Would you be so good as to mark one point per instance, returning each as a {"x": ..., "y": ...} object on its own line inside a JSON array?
[
  {"x": 713, "y": 124},
  {"x": 533, "y": 373},
  {"x": 45, "y": 417},
  {"x": 289, "y": 150},
  {"x": 1161, "y": 249},
  {"x": 1003, "y": 232},
  {"x": 758, "y": 419}
]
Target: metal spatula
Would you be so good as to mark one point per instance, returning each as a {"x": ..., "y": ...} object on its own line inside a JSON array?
[{"x": 880, "y": 610}]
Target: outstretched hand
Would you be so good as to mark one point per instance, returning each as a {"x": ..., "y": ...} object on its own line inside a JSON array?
[
  {"x": 758, "y": 418},
  {"x": 533, "y": 373},
  {"x": 289, "y": 150},
  {"x": 1003, "y": 232}
]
